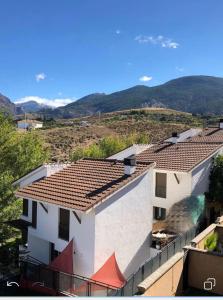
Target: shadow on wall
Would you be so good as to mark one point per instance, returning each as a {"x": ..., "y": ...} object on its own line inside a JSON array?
[
  {"x": 140, "y": 255},
  {"x": 185, "y": 214}
]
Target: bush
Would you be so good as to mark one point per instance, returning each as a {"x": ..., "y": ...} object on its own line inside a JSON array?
[
  {"x": 211, "y": 242},
  {"x": 108, "y": 146}
]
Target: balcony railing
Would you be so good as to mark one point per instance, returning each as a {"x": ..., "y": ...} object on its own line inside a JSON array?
[{"x": 62, "y": 283}]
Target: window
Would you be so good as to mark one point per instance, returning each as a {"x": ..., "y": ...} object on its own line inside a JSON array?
[
  {"x": 64, "y": 224},
  {"x": 160, "y": 190},
  {"x": 159, "y": 213},
  {"x": 25, "y": 207},
  {"x": 34, "y": 214}
]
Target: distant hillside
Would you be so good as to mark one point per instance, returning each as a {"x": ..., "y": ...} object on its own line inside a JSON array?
[
  {"x": 6, "y": 104},
  {"x": 29, "y": 107},
  {"x": 195, "y": 94}
]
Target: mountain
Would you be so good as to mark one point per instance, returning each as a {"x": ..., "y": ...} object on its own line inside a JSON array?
[
  {"x": 195, "y": 94},
  {"x": 6, "y": 104},
  {"x": 29, "y": 107}
]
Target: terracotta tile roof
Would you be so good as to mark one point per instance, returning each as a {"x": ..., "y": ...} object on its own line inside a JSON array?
[
  {"x": 209, "y": 135},
  {"x": 82, "y": 184},
  {"x": 182, "y": 157}
]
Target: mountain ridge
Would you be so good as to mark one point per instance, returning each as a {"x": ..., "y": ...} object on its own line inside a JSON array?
[{"x": 195, "y": 94}]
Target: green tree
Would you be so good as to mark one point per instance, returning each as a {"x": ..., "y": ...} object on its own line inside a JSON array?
[
  {"x": 108, "y": 146},
  {"x": 216, "y": 180},
  {"x": 19, "y": 153}
]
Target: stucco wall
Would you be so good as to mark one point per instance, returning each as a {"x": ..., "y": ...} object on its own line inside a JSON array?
[
  {"x": 174, "y": 191},
  {"x": 200, "y": 177},
  {"x": 134, "y": 149},
  {"x": 83, "y": 235},
  {"x": 203, "y": 265},
  {"x": 123, "y": 225},
  {"x": 39, "y": 248}
]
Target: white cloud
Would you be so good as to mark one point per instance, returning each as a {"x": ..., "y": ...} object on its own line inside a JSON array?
[
  {"x": 40, "y": 76},
  {"x": 145, "y": 78},
  {"x": 117, "y": 31},
  {"x": 179, "y": 69},
  {"x": 157, "y": 40},
  {"x": 50, "y": 102}
]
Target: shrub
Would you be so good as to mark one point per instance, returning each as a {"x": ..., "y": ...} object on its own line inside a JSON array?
[{"x": 211, "y": 242}]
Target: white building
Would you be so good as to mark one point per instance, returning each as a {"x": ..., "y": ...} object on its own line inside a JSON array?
[
  {"x": 105, "y": 206},
  {"x": 29, "y": 124},
  {"x": 183, "y": 165}
]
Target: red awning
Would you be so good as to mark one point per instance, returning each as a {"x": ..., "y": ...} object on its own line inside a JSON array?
[
  {"x": 110, "y": 273},
  {"x": 64, "y": 261}
]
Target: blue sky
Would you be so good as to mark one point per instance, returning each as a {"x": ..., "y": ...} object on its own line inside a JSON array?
[{"x": 62, "y": 50}]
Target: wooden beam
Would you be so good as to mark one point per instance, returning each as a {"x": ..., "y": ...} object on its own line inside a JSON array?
[
  {"x": 78, "y": 219},
  {"x": 177, "y": 179},
  {"x": 46, "y": 210}
]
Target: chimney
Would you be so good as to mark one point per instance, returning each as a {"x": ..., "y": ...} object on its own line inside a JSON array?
[
  {"x": 130, "y": 164},
  {"x": 174, "y": 137},
  {"x": 221, "y": 123}
]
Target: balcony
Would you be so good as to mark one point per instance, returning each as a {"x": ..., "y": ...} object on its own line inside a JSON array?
[{"x": 40, "y": 277}]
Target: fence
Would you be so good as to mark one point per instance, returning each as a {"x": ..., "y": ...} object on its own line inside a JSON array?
[
  {"x": 68, "y": 284},
  {"x": 150, "y": 266},
  {"x": 60, "y": 283}
]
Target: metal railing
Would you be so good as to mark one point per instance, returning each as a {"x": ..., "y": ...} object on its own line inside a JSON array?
[
  {"x": 63, "y": 283},
  {"x": 68, "y": 284},
  {"x": 151, "y": 265}
]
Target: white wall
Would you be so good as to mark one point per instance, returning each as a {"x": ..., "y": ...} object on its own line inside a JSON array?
[
  {"x": 134, "y": 149},
  {"x": 38, "y": 125},
  {"x": 39, "y": 248},
  {"x": 123, "y": 225},
  {"x": 83, "y": 234},
  {"x": 200, "y": 177},
  {"x": 186, "y": 134},
  {"x": 43, "y": 171},
  {"x": 175, "y": 192}
]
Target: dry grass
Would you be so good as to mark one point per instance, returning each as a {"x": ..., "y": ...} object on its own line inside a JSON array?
[{"x": 63, "y": 140}]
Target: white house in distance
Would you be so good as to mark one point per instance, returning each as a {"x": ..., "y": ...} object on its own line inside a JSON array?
[
  {"x": 29, "y": 124},
  {"x": 183, "y": 165},
  {"x": 104, "y": 205}
]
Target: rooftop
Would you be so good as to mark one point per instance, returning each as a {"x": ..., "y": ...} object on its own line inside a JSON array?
[
  {"x": 184, "y": 156},
  {"x": 30, "y": 121},
  {"x": 83, "y": 184}
]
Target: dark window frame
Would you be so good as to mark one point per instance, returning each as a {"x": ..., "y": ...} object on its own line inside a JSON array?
[
  {"x": 159, "y": 213},
  {"x": 34, "y": 214},
  {"x": 25, "y": 207},
  {"x": 64, "y": 224},
  {"x": 161, "y": 190}
]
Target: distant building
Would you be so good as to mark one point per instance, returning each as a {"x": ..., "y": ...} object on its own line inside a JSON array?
[{"x": 29, "y": 124}]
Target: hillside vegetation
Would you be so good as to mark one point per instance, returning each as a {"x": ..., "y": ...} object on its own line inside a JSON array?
[
  {"x": 195, "y": 94},
  {"x": 64, "y": 137}
]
